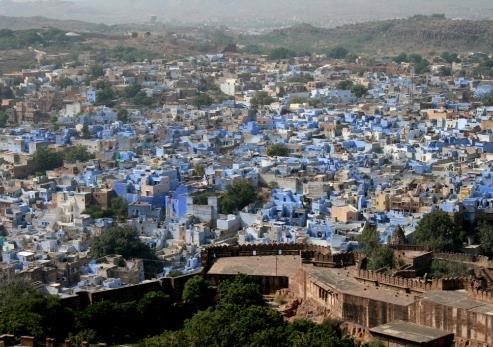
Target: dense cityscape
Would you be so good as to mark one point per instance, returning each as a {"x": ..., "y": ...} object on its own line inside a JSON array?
[{"x": 244, "y": 197}]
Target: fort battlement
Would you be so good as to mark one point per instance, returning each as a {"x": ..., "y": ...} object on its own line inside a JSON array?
[
  {"x": 318, "y": 255},
  {"x": 475, "y": 260},
  {"x": 480, "y": 295},
  {"x": 411, "y": 284}
]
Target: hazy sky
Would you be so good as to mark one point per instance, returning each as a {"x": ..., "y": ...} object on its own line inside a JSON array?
[{"x": 244, "y": 12}]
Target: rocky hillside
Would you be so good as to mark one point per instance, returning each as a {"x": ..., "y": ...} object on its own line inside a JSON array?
[{"x": 416, "y": 34}]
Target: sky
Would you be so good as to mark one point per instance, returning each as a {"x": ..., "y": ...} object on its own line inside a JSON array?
[{"x": 244, "y": 13}]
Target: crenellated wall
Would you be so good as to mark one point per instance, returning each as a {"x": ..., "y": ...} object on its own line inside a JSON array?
[
  {"x": 480, "y": 295},
  {"x": 358, "y": 332},
  {"x": 318, "y": 255},
  {"x": 412, "y": 284}
]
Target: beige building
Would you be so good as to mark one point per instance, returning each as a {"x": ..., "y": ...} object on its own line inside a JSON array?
[
  {"x": 344, "y": 213},
  {"x": 153, "y": 186}
]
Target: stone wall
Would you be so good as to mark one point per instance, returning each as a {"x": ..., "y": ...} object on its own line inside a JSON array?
[
  {"x": 371, "y": 313},
  {"x": 353, "y": 308},
  {"x": 358, "y": 332},
  {"x": 412, "y": 285},
  {"x": 474, "y": 260},
  {"x": 292, "y": 183},
  {"x": 480, "y": 295},
  {"x": 267, "y": 284},
  {"x": 466, "y": 322},
  {"x": 318, "y": 255},
  {"x": 333, "y": 260},
  {"x": 171, "y": 286}
]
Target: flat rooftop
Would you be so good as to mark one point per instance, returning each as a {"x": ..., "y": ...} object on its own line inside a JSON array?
[
  {"x": 287, "y": 265},
  {"x": 458, "y": 299},
  {"x": 410, "y": 332},
  {"x": 413, "y": 254},
  {"x": 343, "y": 281}
]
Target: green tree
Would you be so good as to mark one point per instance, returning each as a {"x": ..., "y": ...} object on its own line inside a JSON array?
[
  {"x": 281, "y": 53},
  {"x": 122, "y": 115},
  {"x": 85, "y": 132},
  {"x": 401, "y": 58},
  {"x": 154, "y": 308},
  {"x": 350, "y": 58},
  {"x": 202, "y": 100},
  {"x": 119, "y": 207},
  {"x": 77, "y": 153},
  {"x": 28, "y": 312},
  {"x": 369, "y": 240},
  {"x": 306, "y": 333},
  {"x": 109, "y": 321},
  {"x": 175, "y": 273},
  {"x": 65, "y": 82},
  {"x": 132, "y": 90},
  {"x": 238, "y": 195},
  {"x": 278, "y": 150},
  {"x": 450, "y": 57},
  {"x": 14, "y": 290},
  {"x": 420, "y": 64},
  {"x": 96, "y": 212},
  {"x": 438, "y": 231},
  {"x": 485, "y": 233},
  {"x": 301, "y": 78},
  {"x": 105, "y": 96},
  {"x": 484, "y": 69},
  {"x": 118, "y": 322},
  {"x": 381, "y": 257},
  {"x": 378, "y": 256},
  {"x": 141, "y": 99},
  {"x": 242, "y": 319},
  {"x": 445, "y": 268},
  {"x": 6, "y": 92},
  {"x": 445, "y": 71},
  {"x": 299, "y": 100},
  {"x": 345, "y": 85},
  {"x": 125, "y": 242},
  {"x": 197, "y": 291},
  {"x": 46, "y": 159},
  {"x": 199, "y": 170},
  {"x": 202, "y": 198},
  {"x": 167, "y": 339},
  {"x": 96, "y": 71},
  {"x": 3, "y": 119},
  {"x": 374, "y": 343},
  {"x": 261, "y": 99},
  {"x": 240, "y": 292},
  {"x": 338, "y": 52},
  {"x": 488, "y": 101},
  {"x": 359, "y": 90}
]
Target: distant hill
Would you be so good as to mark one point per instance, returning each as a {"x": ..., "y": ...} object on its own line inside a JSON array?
[
  {"x": 244, "y": 14},
  {"x": 23, "y": 23},
  {"x": 419, "y": 34},
  {"x": 416, "y": 34}
]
